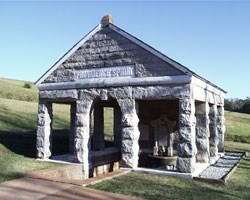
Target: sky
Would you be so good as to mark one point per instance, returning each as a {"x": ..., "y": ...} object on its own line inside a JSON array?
[{"x": 212, "y": 38}]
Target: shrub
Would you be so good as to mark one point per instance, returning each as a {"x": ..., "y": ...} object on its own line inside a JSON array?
[{"x": 27, "y": 85}]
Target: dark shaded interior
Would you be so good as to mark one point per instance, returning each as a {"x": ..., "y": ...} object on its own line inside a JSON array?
[{"x": 149, "y": 110}]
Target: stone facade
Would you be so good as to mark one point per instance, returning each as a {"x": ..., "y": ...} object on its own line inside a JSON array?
[
  {"x": 129, "y": 72},
  {"x": 107, "y": 48}
]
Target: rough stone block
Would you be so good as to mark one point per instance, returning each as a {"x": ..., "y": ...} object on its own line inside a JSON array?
[
  {"x": 202, "y": 120},
  {"x": 82, "y": 132},
  {"x": 130, "y": 120},
  {"x": 202, "y": 144},
  {"x": 104, "y": 95},
  {"x": 202, "y": 132},
  {"x": 185, "y": 135},
  {"x": 83, "y": 106},
  {"x": 40, "y": 131},
  {"x": 129, "y": 160},
  {"x": 40, "y": 119},
  {"x": 186, "y": 165},
  {"x": 87, "y": 95},
  {"x": 202, "y": 157},
  {"x": 121, "y": 93},
  {"x": 159, "y": 92},
  {"x": 185, "y": 120},
  {"x": 213, "y": 150},
  {"x": 39, "y": 142},
  {"x": 187, "y": 150},
  {"x": 127, "y": 146},
  {"x": 221, "y": 143},
  {"x": 58, "y": 94},
  {"x": 185, "y": 106},
  {"x": 126, "y": 105},
  {"x": 42, "y": 107},
  {"x": 128, "y": 133},
  {"x": 81, "y": 120},
  {"x": 81, "y": 150}
]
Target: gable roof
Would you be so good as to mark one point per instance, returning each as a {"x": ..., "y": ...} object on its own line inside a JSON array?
[{"x": 133, "y": 39}]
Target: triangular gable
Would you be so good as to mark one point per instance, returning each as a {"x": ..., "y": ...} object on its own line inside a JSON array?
[
  {"x": 68, "y": 54},
  {"x": 151, "y": 50},
  {"x": 124, "y": 34}
]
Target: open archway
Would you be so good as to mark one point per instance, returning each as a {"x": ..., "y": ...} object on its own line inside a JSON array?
[{"x": 105, "y": 132}]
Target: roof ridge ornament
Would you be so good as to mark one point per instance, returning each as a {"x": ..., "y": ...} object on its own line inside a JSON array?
[{"x": 107, "y": 19}]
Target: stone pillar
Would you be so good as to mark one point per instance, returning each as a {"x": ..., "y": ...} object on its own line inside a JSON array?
[
  {"x": 186, "y": 147},
  {"x": 202, "y": 132},
  {"x": 117, "y": 127},
  {"x": 44, "y": 130},
  {"x": 82, "y": 135},
  {"x": 98, "y": 135},
  {"x": 130, "y": 133},
  {"x": 220, "y": 128},
  {"x": 72, "y": 128},
  {"x": 213, "y": 139}
]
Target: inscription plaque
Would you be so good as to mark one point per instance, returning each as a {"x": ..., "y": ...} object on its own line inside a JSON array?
[{"x": 108, "y": 72}]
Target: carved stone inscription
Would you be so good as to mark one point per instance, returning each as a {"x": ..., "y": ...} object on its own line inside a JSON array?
[{"x": 108, "y": 72}]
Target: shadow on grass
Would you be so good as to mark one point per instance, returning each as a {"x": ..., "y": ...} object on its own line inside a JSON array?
[
  {"x": 154, "y": 187},
  {"x": 10, "y": 176},
  {"x": 24, "y": 143}
]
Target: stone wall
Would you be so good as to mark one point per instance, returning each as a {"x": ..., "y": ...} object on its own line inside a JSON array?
[
  {"x": 82, "y": 100},
  {"x": 109, "y": 49}
]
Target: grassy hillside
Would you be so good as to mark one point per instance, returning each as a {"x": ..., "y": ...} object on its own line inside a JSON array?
[
  {"x": 237, "y": 127},
  {"x": 14, "y": 89},
  {"x": 19, "y": 115}
]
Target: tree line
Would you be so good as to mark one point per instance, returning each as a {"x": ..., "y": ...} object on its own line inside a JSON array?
[{"x": 238, "y": 105}]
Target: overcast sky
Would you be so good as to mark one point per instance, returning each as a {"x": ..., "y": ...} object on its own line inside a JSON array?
[{"x": 212, "y": 38}]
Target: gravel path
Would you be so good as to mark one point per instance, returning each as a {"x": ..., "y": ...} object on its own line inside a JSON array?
[{"x": 223, "y": 166}]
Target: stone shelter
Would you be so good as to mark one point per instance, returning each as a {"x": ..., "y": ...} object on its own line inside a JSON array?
[{"x": 160, "y": 107}]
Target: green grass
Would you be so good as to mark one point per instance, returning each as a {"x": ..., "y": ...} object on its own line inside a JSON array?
[
  {"x": 14, "y": 89},
  {"x": 237, "y": 127},
  {"x": 13, "y": 166},
  {"x": 151, "y": 187},
  {"x": 16, "y": 115}
]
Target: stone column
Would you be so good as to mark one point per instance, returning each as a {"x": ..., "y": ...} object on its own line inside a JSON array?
[
  {"x": 220, "y": 128},
  {"x": 213, "y": 139},
  {"x": 98, "y": 135},
  {"x": 130, "y": 133},
  {"x": 117, "y": 127},
  {"x": 202, "y": 132},
  {"x": 186, "y": 147},
  {"x": 44, "y": 130},
  {"x": 72, "y": 127},
  {"x": 82, "y": 135}
]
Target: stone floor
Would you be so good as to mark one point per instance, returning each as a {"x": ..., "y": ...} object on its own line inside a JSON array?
[
  {"x": 199, "y": 168},
  {"x": 222, "y": 166}
]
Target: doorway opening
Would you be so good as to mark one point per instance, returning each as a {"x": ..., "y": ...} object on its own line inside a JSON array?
[
  {"x": 105, "y": 136},
  {"x": 158, "y": 125}
]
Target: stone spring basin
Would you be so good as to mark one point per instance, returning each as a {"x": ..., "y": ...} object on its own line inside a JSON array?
[{"x": 163, "y": 160}]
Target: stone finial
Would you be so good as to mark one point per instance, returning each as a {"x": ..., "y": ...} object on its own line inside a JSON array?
[{"x": 107, "y": 19}]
